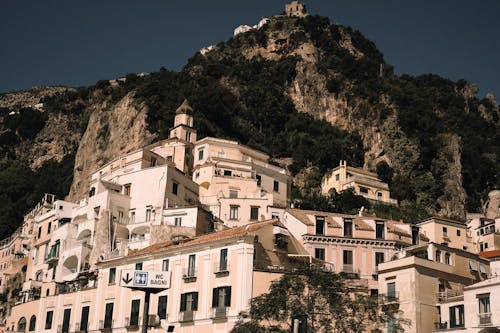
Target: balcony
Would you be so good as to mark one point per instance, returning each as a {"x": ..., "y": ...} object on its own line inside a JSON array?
[
  {"x": 189, "y": 274},
  {"x": 132, "y": 324},
  {"x": 81, "y": 327},
  {"x": 449, "y": 295},
  {"x": 219, "y": 312},
  {"x": 484, "y": 318},
  {"x": 51, "y": 257},
  {"x": 441, "y": 326},
  {"x": 221, "y": 268},
  {"x": 186, "y": 316},
  {"x": 349, "y": 270},
  {"x": 106, "y": 325},
  {"x": 389, "y": 298}
]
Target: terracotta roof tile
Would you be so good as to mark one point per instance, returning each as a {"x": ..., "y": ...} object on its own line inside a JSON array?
[
  {"x": 303, "y": 216},
  {"x": 219, "y": 235},
  {"x": 490, "y": 254}
]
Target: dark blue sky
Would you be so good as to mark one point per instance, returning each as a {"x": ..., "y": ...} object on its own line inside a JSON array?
[{"x": 80, "y": 42}]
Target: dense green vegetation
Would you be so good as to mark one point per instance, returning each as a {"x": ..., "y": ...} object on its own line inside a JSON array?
[
  {"x": 247, "y": 100},
  {"x": 326, "y": 299}
]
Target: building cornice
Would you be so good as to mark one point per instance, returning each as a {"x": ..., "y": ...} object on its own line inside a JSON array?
[{"x": 354, "y": 241}]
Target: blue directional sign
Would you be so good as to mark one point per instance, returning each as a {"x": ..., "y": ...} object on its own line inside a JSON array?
[{"x": 140, "y": 279}]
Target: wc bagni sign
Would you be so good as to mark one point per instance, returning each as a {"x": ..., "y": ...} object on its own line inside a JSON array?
[{"x": 145, "y": 279}]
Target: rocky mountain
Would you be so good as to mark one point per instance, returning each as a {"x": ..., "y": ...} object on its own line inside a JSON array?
[{"x": 304, "y": 90}]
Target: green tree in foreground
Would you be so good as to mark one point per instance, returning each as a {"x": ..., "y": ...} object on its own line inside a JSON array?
[{"x": 330, "y": 303}]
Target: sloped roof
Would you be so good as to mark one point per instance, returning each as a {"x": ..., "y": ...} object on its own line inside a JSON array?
[
  {"x": 303, "y": 216},
  {"x": 184, "y": 108},
  {"x": 490, "y": 254},
  {"x": 237, "y": 232}
]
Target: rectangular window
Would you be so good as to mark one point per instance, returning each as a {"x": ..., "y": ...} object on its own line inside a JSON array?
[
  {"x": 162, "y": 307},
  {"x": 319, "y": 253},
  {"x": 191, "y": 272},
  {"x": 484, "y": 303},
  {"x": 457, "y": 316},
  {"x": 379, "y": 258},
  {"x": 391, "y": 290},
  {"x": 320, "y": 225},
  {"x": 276, "y": 186},
  {"x": 154, "y": 161},
  {"x": 189, "y": 302},
  {"x": 149, "y": 213},
  {"x": 48, "y": 320},
  {"x": 112, "y": 275},
  {"x": 84, "y": 322},
  {"x": 108, "y": 315},
  {"x": 223, "y": 260},
  {"x": 132, "y": 217},
  {"x": 337, "y": 177},
  {"x": 175, "y": 188},
  {"x": 380, "y": 230},
  {"x": 126, "y": 189},
  {"x": 164, "y": 265},
  {"x": 138, "y": 266},
  {"x": 363, "y": 190},
  {"x": 347, "y": 227},
  {"x": 66, "y": 319},
  {"x": 48, "y": 228},
  {"x": 233, "y": 212},
  {"x": 259, "y": 179},
  {"x": 221, "y": 297},
  {"x": 39, "y": 232},
  {"x": 200, "y": 154},
  {"x": 414, "y": 235},
  {"x": 178, "y": 221},
  {"x": 438, "y": 256},
  {"x": 347, "y": 257},
  {"x": 233, "y": 194},
  {"x": 134, "y": 312},
  {"x": 254, "y": 213},
  {"x": 458, "y": 232},
  {"x": 228, "y": 173},
  {"x": 445, "y": 232},
  {"x": 447, "y": 258}
]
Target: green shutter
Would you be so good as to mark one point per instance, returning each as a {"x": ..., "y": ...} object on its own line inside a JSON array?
[
  {"x": 195, "y": 302},
  {"x": 227, "y": 297},
  {"x": 215, "y": 297},
  {"x": 183, "y": 302}
]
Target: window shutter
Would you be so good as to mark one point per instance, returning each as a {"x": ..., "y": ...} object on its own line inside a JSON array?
[
  {"x": 227, "y": 297},
  {"x": 183, "y": 302},
  {"x": 195, "y": 302},
  {"x": 215, "y": 297}
]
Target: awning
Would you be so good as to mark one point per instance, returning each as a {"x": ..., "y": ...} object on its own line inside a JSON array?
[
  {"x": 473, "y": 265},
  {"x": 482, "y": 269}
]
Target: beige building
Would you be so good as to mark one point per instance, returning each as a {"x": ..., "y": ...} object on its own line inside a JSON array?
[
  {"x": 448, "y": 232},
  {"x": 213, "y": 278},
  {"x": 237, "y": 183},
  {"x": 425, "y": 275},
  {"x": 295, "y": 9},
  {"x": 362, "y": 182}
]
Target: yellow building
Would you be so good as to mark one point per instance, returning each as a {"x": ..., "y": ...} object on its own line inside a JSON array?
[{"x": 363, "y": 183}]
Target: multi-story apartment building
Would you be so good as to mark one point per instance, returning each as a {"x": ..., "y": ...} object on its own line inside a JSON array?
[
  {"x": 237, "y": 183},
  {"x": 212, "y": 280},
  {"x": 485, "y": 233},
  {"x": 362, "y": 182},
  {"x": 448, "y": 232},
  {"x": 355, "y": 245},
  {"x": 426, "y": 276}
]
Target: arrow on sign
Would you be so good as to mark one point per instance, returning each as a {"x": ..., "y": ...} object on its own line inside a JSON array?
[{"x": 127, "y": 279}]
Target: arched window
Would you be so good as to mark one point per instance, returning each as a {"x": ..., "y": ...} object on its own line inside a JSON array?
[
  {"x": 32, "y": 323},
  {"x": 21, "y": 325}
]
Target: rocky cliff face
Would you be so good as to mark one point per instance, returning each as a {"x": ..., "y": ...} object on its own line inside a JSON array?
[
  {"x": 260, "y": 88},
  {"x": 113, "y": 129}
]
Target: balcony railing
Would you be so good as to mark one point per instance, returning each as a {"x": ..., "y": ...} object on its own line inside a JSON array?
[
  {"x": 132, "y": 323},
  {"x": 52, "y": 256},
  {"x": 81, "y": 327},
  {"x": 389, "y": 298},
  {"x": 189, "y": 273},
  {"x": 219, "y": 312},
  {"x": 441, "y": 326},
  {"x": 186, "y": 316},
  {"x": 106, "y": 325},
  {"x": 485, "y": 318},
  {"x": 444, "y": 296},
  {"x": 221, "y": 267}
]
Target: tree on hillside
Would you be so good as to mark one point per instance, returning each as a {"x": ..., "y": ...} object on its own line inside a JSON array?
[{"x": 330, "y": 303}]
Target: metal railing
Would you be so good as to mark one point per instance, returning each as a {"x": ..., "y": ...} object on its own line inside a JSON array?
[
  {"x": 219, "y": 312},
  {"x": 443, "y": 296},
  {"x": 441, "y": 326},
  {"x": 389, "y": 298},
  {"x": 485, "y": 318},
  {"x": 185, "y": 316},
  {"x": 221, "y": 267},
  {"x": 132, "y": 322},
  {"x": 190, "y": 273}
]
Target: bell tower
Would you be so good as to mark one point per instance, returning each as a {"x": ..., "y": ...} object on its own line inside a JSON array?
[{"x": 183, "y": 123}]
